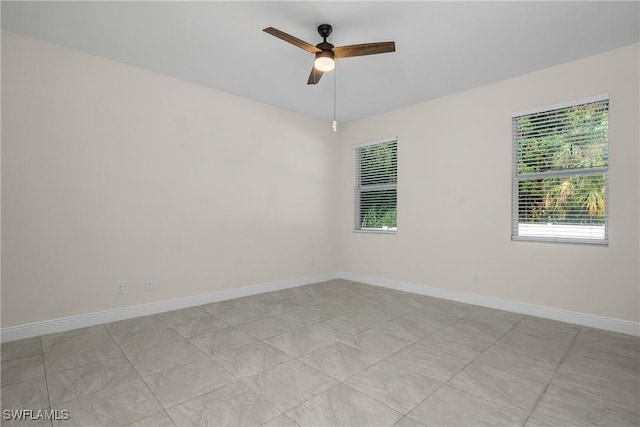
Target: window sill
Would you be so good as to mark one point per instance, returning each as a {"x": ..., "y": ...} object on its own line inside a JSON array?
[
  {"x": 537, "y": 239},
  {"x": 377, "y": 231}
]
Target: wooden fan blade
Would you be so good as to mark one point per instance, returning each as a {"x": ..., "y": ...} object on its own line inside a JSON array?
[
  {"x": 293, "y": 40},
  {"x": 363, "y": 49},
  {"x": 314, "y": 77}
]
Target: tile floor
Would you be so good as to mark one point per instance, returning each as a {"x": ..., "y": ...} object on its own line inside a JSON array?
[{"x": 334, "y": 353}]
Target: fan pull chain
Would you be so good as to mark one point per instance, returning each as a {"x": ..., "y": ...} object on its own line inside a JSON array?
[{"x": 335, "y": 123}]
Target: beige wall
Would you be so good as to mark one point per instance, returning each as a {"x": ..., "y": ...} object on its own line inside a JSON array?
[
  {"x": 112, "y": 174},
  {"x": 454, "y": 195}
]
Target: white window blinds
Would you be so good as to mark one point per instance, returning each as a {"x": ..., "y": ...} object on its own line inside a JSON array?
[
  {"x": 376, "y": 187},
  {"x": 560, "y": 179}
]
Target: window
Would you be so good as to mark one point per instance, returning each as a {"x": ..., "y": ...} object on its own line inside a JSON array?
[
  {"x": 560, "y": 173},
  {"x": 376, "y": 187}
]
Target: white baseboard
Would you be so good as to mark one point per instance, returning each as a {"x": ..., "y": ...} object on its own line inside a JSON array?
[
  {"x": 29, "y": 330},
  {"x": 13, "y": 333},
  {"x": 583, "y": 319}
]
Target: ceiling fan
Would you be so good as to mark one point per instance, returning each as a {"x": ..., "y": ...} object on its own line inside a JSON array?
[{"x": 326, "y": 53}]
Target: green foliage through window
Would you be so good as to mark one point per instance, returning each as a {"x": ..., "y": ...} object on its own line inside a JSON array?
[
  {"x": 562, "y": 164},
  {"x": 376, "y": 186}
]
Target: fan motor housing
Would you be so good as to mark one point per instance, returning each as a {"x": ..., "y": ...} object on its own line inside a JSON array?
[{"x": 325, "y": 45}]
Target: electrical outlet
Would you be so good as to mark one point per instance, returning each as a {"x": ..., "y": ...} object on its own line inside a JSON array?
[
  {"x": 120, "y": 289},
  {"x": 148, "y": 286},
  {"x": 475, "y": 278}
]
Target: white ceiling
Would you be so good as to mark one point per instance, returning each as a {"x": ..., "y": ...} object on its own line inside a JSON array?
[{"x": 441, "y": 47}]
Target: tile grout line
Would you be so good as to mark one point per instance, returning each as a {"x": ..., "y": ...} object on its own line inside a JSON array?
[
  {"x": 237, "y": 379},
  {"x": 126, "y": 356},
  {"x": 474, "y": 360},
  {"x": 398, "y": 351},
  {"x": 334, "y": 316},
  {"x": 553, "y": 376},
  {"x": 384, "y": 358},
  {"x": 206, "y": 356},
  {"x": 46, "y": 380},
  {"x": 393, "y": 353},
  {"x": 81, "y": 366}
]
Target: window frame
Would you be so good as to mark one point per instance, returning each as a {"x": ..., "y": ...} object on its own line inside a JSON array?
[
  {"x": 517, "y": 178},
  {"x": 358, "y": 188}
]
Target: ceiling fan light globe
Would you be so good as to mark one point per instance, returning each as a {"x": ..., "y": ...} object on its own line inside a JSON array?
[{"x": 324, "y": 63}]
